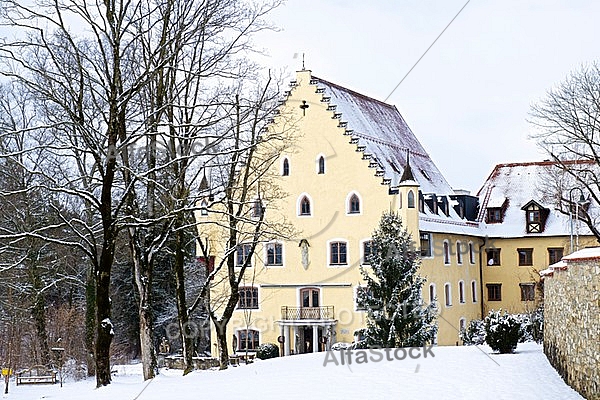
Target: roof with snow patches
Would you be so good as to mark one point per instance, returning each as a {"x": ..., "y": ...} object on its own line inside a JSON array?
[
  {"x": 386, "y": 137},
  {"x": 512, "y": 186}
]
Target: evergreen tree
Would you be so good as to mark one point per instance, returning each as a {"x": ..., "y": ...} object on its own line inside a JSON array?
[{"x": 396, "y": 314}]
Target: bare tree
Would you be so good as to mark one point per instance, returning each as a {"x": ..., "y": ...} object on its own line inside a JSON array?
[
  {"x": 242, "y": 188},
  {"x": 567, "y": 123}
]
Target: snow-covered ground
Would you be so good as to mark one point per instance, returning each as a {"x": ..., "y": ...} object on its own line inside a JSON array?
[{"x": 454, "y": 373}]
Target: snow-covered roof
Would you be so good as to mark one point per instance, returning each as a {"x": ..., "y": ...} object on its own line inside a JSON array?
[
  {"x": 382, "y": 131},
  {"x": 583, "y": 254},
  {"x": 519, "y": 184}
]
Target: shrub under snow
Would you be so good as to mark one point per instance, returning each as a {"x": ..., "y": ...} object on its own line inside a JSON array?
[{"x": 502, "y": 330}]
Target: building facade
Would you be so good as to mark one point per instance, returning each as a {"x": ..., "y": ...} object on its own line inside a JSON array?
[{"x": 353, "y": 158}]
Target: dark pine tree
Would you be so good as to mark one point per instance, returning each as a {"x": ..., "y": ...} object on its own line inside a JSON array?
[{"x": 396, "y": 315}]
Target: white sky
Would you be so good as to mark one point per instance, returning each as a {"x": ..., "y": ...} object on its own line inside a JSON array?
[{"x": 468, "y": 99}]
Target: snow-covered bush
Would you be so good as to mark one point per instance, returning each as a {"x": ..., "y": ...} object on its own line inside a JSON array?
[
  {"x": 267, "y": 350},
  {"x": 502, "y": 331},
  {"x": 340, "y": 346},
  {"x": 474, "y": 334},
  {"x": 532, "y": 325}
]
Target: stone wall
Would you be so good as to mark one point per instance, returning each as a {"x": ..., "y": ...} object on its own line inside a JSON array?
[
  {"x": 176, "y": 362},
  {"x": 572, "y": 321}
]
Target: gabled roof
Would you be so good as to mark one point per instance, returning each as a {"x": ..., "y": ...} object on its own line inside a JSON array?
[
  {"x": 385, "y": 136},
  {"x": 532, "y": 202},
  {"x": 520, "y": 184}
]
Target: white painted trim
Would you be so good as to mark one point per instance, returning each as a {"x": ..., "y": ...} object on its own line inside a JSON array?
[
  {"x": 265, "y": 254},
  {"x": 298, "y": 207},
  {"x": 459, "y": 254},
  {"x": 463, "y": 292},
  {"x": 449, "y": 258},
  {"x": 324, "y": 164},
  {"x": 348, "y": 263},
  {"x": 471, "y": 247},
  {"x": 362, "y": 250},
  {"x": 299, "y": 298},
  {"x": 282, "y": 160},
  {"x": 448, "y": 294},
  {"x": 241, "y": 310},
  {"x": 434, "y": 292},
  {"x": 360, "y": 203},
  {"x": 474, "y": 291}
]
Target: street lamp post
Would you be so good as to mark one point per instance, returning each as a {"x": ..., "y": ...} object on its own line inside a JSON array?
[{"x": 581, "y": 201}]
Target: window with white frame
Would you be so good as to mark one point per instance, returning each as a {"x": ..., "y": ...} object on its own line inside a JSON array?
[
  {"x": 461, "y": 292},
  {"x": 432, "y": 295},
  {"x": 448, "y": 294},
  {"x": 366, "y": 250},
  {"x": 471, "y": 253},
  {"x": 321, "y": 165},
  {"x": 248, "y": 298},
  {"x": 285, "y": 167},
  {"x": 305, "y": 207},
  {"x": 425, "y": 243},
  {"x": 446, "y": 252},
  {"x": 274, "y": 255},
  {"x": 474, "y": 291},
  {"x": 248, "y": 339},
  {"x": 410, "y": 199},
  {"x": 353, "y": 204},
  {"x": 243, "y": 252},
  {"x": 459, "y": 253},
  {"x": 338, "y": 253}
]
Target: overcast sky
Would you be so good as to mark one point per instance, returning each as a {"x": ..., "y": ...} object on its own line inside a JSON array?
[{"x": 468, "y": 99}]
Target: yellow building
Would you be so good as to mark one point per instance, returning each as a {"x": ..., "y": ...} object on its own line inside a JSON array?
[{"x": 354, "y": 158}]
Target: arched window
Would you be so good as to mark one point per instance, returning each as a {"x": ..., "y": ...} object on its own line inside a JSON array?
[
  {"x": 461, "y": 292},
  {"x": 474, "y": 291},
  {"x": 459, "y": 253},
  {"x": 305, "y": 206},
  {"x": 410, "y": 199},
  {"x": 448, "y": 294},
  {"x": 354, "y": 205},
  {"x": 471, "y": 253},
  {"x": 285, "y": 169},
  {"x": 431, "y": 293},
  {"x": 462, "y": 325},
  {"x": 446, "y": 253},
  {"x": 321, "y": 165}
]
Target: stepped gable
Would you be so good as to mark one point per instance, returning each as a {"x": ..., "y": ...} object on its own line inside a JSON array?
[{"x": 382, "y": 134}]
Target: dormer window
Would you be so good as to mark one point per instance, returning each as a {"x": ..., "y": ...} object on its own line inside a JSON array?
[
  {"x": 494, "y": 215},
  {"x": 535, "y": 217}
]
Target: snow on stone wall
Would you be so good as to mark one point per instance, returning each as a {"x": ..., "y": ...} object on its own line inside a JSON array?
[{"x": 572, "y": 321}]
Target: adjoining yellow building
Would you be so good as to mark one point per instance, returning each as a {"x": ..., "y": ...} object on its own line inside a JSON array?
[{"x": 354, "y": 158}]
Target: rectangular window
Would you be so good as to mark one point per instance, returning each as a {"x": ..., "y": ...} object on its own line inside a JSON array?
[
  {"x": 248, "y": 339},
  {"x": 366, "y": 252},
  {"x": 525, "y": 257},
  {"x": 461, "y": 292},
  {"x": 459, "y": 253},
  {"x": 248, "y": 298},
  {"x": 533, "y": 216},
  {"x": 243, "y": 252},
  {"x": 494, "y": 291},
  {"x": 474, "y": 291},
  {"x": 425, "y": 244},
  {"x": 555, "y": 255},
  {"x": 338, "y": 254},
  {"x": 448, "y": 295},
  {"x": 493, "y": 256},
  {"x": 494, "y": 215},
  {"x": 527, "y": 291},
  {"x": 471, "y": 253},
  {"x": 274, "y": 254}
]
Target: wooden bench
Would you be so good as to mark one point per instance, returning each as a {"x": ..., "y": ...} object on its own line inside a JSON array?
[{"x": 36, "y": 374}]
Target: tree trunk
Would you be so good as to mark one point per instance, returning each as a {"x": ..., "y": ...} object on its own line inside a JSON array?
[
  {"x": 186, "y": 335},
  {"x": 104, "y": 328},
  {"x": 149, "y": 364},
  {"x": 221, "y": 329},
  {"x": 39, "y": 317},
  {"x": 90, "y": 321}
]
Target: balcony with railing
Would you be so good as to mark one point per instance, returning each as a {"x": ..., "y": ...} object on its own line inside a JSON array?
[{"x": 307, "y": 313}]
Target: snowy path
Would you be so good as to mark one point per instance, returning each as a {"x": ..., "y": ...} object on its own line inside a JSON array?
[{"x": 454, "y": 373}]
